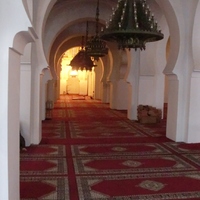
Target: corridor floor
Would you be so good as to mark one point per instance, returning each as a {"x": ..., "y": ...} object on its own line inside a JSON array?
[{"x": 90, "y": 152}]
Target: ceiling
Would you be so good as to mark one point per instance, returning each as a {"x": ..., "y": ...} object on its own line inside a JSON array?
[{"x": 66, "y": 24}]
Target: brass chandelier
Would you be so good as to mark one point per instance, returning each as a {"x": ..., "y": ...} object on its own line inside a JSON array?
[
  {"x": 96, "y": 47},
  {"x": 132, "y": 25}
]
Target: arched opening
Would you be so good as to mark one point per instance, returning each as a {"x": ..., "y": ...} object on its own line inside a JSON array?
[{"x": 78, "y": 82}]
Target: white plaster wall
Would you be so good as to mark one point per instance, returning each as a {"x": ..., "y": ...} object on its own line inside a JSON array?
[
  {"x": 114, "y": 75},
  {"x": 91, "y": 83},
  {"x": 182, "y": 69},
  {"x": 146, "y": 95},
  {"x": 25, "y": 102},
  {"x": 152, "y": 64},
  {"x": 166, "y": 90},
  {"x": 194, "y": 105},
  {"x": 133, "y": 80},
  {"x": 106, "y": 64},
  {"x": 172, "y": 110},
  {"x": 63, "y": 86},
  {"x": 146, "y": 90},
  {"x": 12, "y": 141},
  {"x": 38, "y": 63},
  {"x": 45, "y": 76},
  {"x": 122, "y": 95},
  {"x": 36, "y": 87},
  {"x": 98, "y": 75},
  {"x": 50, "y": 89},
  {"x": 73, "y": 85},
  {"x": 196, "y": 39},
  {"x": 28, "y": 5},
  {"x": 9, "y": 103},
  {"x": 25, "y": 94},
  {"x": 194, "y": 113},
  {"x": 83, "y": 87}
]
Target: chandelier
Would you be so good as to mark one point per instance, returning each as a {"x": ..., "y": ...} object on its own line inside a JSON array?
[
  {"x": 95, "y": 47},
  {"x": 132, "y": 25},
  {"x": 81, "y": 60}
]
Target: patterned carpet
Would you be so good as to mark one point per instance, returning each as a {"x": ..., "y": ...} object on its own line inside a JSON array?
[{"x": 90, "y": 152}]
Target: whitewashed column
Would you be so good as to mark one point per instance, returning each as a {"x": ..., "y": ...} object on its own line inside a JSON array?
[
  {"x": 25, "y": 102},
  {"x": 133, "y": 80}
]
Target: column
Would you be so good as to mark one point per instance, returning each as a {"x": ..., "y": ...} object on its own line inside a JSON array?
[
  {"x": 25, "y": 102},
  {"x": 133, "y": 80}
]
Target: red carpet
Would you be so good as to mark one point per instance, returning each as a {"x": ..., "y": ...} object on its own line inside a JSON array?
[
  {"x": 139, "y": 186},
  {"x": 90, "y": 152},
  {"x": 45, "y": 187},
  {"x": 118, "y": 149}
]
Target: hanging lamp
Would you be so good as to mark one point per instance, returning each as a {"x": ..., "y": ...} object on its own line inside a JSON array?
[
  {"x": 81, "y": 60},
  {"x": 96, "y": 47},
  {"x": 132, "y": 25}
]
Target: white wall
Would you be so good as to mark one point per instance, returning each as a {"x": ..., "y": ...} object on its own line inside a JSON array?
[
  {"x": 25, "y": 102},
  {"x": 11, "y": 48}
]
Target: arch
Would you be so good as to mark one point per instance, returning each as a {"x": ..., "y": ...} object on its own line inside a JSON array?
[
  {"x": 172, "y": 21},
  {"x": 22, "y": 38},
  {"x": 12, "y": 124},
  {"x": 73, "y": 32},
  {"x": 64, "y": 14}
]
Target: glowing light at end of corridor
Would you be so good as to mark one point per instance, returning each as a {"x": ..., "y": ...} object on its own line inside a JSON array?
[{"x": 73, "y": 73}]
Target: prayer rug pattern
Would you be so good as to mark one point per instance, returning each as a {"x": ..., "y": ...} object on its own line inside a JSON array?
[
  {"x": 44, "y": 188},
  {"x": 139, "y": 186},
  {"x": 118, "y": 149},
  {"x": 180, "y": 147},
  {"x": 58, "y": 113},
  {"x": 44, "y": 151},
  {"x": 194, "y": 158},
  {"x": 103, "y": 129},
  {"x": 153, "y": 130},
  {"x": 36, "y": 166},
  {"x": 130, "y": 164},
  {"x": 54, "y": 129},
  {"x": 92, "y": 113},
  {"x": 90, "y": 152},
  {"x": 59, "y": 104}
]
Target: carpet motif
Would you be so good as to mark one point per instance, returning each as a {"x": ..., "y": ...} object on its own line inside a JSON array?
[
  {"x": 36, "y": 166},
  {"x": 84, "y": 114},
  {"x": 54, "y": 129},
  {"x": 194, "y": 158},
  {"x": 180, "y": 147},
  {"x": 118, "y": 149},
  {"x": 105, "y": 156},
  {"x": 53, "y": 123},
  {"x": 73, "y": 105},
  {"x": 44, "y": 151},
  {"x": 120, "y": 113},
  {"x": 143, "y": 186},
  {"x": 76, "y": 97},
  {"x": 151, "y": 130},
  {"x": 59, "y": 104},
  {"x": 130, "y": 164},
  {"x": 100, "y": 129},
  {"x": 44, "y": 188},
  {"x": 58, "y": 113},
  {"x": 151, "y": 185}
]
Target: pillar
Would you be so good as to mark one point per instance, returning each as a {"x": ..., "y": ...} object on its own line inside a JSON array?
[
  {"x": 133, "y": 80},
  {"x": 25, "y": 102}
]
